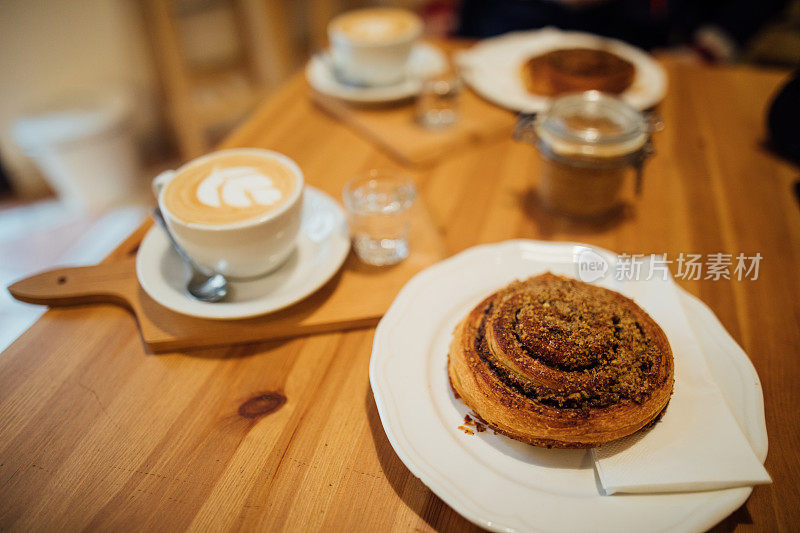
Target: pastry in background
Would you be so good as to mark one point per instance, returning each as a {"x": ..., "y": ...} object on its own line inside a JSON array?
[{"x": 576, "y": 70}]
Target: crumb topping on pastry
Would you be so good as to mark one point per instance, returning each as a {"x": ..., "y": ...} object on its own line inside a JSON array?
[
  {"x": 556, "y": 362},
  {"x": 587, "y": 334}
]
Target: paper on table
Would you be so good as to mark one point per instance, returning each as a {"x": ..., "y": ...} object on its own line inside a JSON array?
[{"x": 697, "y": 445}]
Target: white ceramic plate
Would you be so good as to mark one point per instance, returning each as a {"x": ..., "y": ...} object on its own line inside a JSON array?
[
  {"x": 492, "y": 67},
  {"x": 502, "y": 484},
  {"x": 322, "y": 246},
  {"x": 425, "y": 60}
]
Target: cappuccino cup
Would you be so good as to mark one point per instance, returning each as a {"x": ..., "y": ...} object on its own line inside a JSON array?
[
  {"x": 371, "y": 46},
  {"x": 236, "y": 211}
]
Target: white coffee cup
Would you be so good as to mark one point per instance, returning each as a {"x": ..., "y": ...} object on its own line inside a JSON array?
[
  {"x": 246, "y": 248},
  {"x": 367, "y": 48}
]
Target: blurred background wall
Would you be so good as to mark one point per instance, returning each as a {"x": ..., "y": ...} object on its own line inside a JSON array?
[
  {"x": 49, "y": 48},
  {"x": 53, "y": 50},
  {"x": 191, "y": 69}
]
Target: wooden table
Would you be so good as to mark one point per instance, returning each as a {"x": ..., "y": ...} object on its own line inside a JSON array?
[{"x": 96, "y": 433}]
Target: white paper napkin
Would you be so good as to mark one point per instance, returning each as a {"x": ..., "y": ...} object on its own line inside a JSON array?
[{"x": 697, "y": 445}]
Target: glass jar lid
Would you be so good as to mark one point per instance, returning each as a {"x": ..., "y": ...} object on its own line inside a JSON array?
[{"x": 592, "y": 124}]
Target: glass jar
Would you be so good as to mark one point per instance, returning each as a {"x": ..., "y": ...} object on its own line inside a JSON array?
[{"x": 589, "y": 142}]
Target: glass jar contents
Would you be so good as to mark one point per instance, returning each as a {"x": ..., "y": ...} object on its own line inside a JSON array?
[{"x": 588, "y": 142}]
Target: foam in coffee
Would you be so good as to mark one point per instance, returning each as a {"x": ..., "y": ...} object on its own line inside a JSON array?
[
  {"x": 376, "y": 25},
  {"x": 229, "y": 189}
]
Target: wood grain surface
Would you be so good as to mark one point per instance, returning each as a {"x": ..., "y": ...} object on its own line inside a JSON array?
[
  {"x": 394, "y": 128},
  {"x": 95, "y": 433},
  {"x": 356, "y": 297}
]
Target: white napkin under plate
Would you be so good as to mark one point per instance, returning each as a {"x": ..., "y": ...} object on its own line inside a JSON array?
[{"x": 697, "y": 445}]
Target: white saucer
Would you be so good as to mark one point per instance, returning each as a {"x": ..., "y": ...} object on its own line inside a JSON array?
[
  {"x": 504, "y": 485},
  {"x": 425, "y": 60},
  {"x": 492, "y": 67},
  {"x": 322, "y": 247}
]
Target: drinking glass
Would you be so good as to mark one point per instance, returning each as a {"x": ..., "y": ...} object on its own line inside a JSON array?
[
  {"x": 437, "y": 104},
  {"x": 378, "y": 208}
]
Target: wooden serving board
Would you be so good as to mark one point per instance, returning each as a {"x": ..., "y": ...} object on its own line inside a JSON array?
[
  {"x": 392, "y": 126},
  {"x": 357, "y": 296}
]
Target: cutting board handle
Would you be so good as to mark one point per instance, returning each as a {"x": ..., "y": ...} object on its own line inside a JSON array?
[{"x": 104, "y": 283}]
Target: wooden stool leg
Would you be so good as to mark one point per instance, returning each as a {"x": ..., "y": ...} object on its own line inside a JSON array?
[
  {"x": 267, "y": 28},
  {"x": 175, "y": 77}
]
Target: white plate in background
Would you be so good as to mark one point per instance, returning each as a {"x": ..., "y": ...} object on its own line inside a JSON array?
[{"x": 492, "y": 67}]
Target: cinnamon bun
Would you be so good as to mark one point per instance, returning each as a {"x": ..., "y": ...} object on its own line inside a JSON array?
[
  {"x": 556, "y": 362},
  {"x": 576, "y": 70}
]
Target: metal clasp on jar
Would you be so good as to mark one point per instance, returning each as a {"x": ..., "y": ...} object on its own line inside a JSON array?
[
  {"x": 654, "y": 123},
  {"x": 525, "y": 131}
]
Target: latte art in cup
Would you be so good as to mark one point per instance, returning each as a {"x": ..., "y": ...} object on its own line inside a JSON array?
[
  {"x": 237, "y": 212},
  {"x": 230, "y": 189},
  {"x": 376, "y": 25}
]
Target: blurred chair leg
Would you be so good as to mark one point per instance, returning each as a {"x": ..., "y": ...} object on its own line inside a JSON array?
[
  {"x": 271, "y": 48},
  {"x": 320, "y": 12},
  {"x": 175, "y": 78}
]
